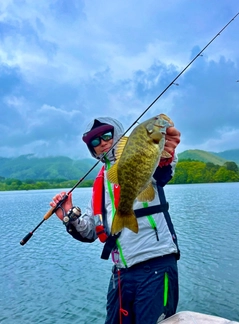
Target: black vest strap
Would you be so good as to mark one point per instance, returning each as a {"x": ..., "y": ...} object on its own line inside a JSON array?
[
  {"x": 151, "y": 210},
  {"x": 111, "y": 240},
  {"x": 168, "y": 219},
  {"x": 110, "y": 243},
  {"x": 109, "y": 246}
]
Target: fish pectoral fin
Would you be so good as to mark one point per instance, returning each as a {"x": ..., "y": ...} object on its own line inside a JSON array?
[
  {"x": 147, "y": 194},
  {"x": 112, "y": 173},
  {"x": 121, "y": 221},
  {"x": 156, "y": 136},
  {"x": 120, "y": 147},
  {"x": 166, "y": 155}
]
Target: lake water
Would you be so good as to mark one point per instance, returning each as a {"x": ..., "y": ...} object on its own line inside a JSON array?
[{"x": 56, "y": 279}]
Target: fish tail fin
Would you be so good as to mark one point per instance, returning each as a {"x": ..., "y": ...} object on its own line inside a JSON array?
[{"x": 124, "y": 220}]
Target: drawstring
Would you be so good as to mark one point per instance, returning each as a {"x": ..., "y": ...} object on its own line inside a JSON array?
[
  {"x": 115, "y": 258},
  {"x": 121, "y": 310}
]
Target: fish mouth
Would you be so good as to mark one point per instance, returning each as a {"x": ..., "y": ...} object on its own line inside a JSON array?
[
  {"x": 157, "y": 125},
  {"x": 163, "y": 125}
]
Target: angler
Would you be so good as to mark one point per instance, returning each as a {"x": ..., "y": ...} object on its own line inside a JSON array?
[{"x": 144, "y": 283}]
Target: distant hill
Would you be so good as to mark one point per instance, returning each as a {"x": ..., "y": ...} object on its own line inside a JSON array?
[
  {"x": 60, "y": 167},
  {"x": 215, "y": 158},
  {"x": 29, "y": 167},
  {"x": 230, "y": 155},
  {"x": 203, "y": 156}
]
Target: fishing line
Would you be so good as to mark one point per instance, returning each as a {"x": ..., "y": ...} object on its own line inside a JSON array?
[
  {"x": 170, "y": 84},
  {"x": 59, "y": 204}
]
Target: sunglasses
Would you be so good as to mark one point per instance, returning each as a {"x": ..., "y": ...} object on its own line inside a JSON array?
[{"x": 105, "y": 137}]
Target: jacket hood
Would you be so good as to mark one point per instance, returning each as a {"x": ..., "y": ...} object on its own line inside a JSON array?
[{"x": 118, "y": 132}]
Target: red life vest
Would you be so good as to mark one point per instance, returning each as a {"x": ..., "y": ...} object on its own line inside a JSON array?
[{"x": 98, "y": 208}]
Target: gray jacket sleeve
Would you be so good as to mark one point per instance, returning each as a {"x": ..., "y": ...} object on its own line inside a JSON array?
[{"x": 83, "y": 229}]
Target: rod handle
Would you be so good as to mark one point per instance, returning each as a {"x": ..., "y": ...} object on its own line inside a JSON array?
[
  {"x": 53, "y": 210},
  {"x": 26, "y": 238},
  {"x": 49, "y": 213}
]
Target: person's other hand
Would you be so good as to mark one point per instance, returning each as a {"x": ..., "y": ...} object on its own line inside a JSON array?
[
  {"x": 66, "y": 205},
  {"x": 172, "y": 139}
]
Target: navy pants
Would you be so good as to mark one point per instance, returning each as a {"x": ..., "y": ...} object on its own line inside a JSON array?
[{"x": 149, "y": 292}]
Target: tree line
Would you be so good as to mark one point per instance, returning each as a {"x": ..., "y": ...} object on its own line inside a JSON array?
[
  {"x": 190, "y": 171},
  {"x": 15, "y": 184},
  {"x": 187, "y": 171}
]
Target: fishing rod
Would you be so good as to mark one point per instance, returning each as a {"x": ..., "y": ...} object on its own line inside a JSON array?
[{"x": 64, "y": 198}]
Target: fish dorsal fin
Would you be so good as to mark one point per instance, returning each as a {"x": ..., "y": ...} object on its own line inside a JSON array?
[
  {"x": 120, "y": 147},
  {"x": 112, "y": 173},
  {"x": 147, "y": 194}
]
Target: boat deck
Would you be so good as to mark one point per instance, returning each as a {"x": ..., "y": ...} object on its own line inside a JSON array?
[{"x": 187, "y": 317}]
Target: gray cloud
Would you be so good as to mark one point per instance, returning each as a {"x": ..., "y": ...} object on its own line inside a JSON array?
[{"x": 62, "y": 64}]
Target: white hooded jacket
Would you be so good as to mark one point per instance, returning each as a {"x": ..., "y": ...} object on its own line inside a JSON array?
[{"x": 133, "y": 248}]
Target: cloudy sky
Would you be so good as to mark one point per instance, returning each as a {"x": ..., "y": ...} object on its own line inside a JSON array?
[{"x": 64, "y": 62}]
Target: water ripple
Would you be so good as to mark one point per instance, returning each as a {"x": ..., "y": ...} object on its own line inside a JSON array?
[{"x": 55, "y": 279}]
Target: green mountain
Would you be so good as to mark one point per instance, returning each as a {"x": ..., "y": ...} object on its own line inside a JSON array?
[
  {"x": 200, "y": 155},
  {"x": 60, "y": 167},
  {"x": 229, "y": 155},
  {"x": 29, "y": 167},
  {"x": 215, "y": 158}
]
